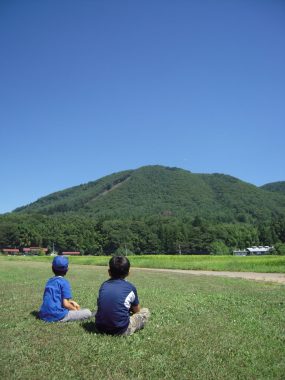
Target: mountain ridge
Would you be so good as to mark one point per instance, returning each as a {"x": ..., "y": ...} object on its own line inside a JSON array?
[
  {"x": 278, "y": 186},
  {"x": 157, "y": 190}
]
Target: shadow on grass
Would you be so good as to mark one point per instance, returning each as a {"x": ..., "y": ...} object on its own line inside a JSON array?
[
  {"x": 35, "y": 314},
  {"x": 90, "y": 327}
]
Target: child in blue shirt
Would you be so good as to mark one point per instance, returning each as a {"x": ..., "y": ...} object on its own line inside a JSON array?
[
  {"x": 57, "y": 299},
  {"x": 119, "y": 311}
]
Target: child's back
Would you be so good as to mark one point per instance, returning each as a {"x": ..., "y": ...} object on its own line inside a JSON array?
[
  {"x": 57, "y": 299},
  {"x": 57, "y": 288},
  {"x": 116, "y": 296},
  {"x": 117, "y": 299}
]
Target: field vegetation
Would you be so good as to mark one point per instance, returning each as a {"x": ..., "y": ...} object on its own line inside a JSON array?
[
  {"x": 200, "y": 328},
  {"x": 263, "y": 264}
]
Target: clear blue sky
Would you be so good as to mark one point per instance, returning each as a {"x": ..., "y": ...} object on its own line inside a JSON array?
[{"x": 92, "y": 87}]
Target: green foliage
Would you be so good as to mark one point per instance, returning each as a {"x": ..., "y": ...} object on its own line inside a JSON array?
[
  {"x": 156, "y": 235},
  {"x": 219, "y": 248},
  {"x": 124, "y": 251},
  {"x": 280, "y": 248},
  {"x": 41, "y": 252}
]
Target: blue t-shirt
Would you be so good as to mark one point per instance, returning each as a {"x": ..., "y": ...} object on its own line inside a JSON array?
[
  {"x": 116, "y": 296},
  {"x": 52, "y": 310}
]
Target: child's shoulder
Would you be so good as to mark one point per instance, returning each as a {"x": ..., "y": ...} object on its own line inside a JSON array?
[
  {"x": 127, "y": 284},
  {"x": 118, "y": 282},
  {"x": 58, "y": 279},
  {"x": 131, "y": 285}
]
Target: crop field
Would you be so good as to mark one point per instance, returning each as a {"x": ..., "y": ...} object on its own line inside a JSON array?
[
  {"x": 200, "y": 328},
  {"x": 263, "y": 264}
]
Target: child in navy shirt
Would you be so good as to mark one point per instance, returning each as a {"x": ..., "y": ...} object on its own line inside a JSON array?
[
  {"x": 57, "y": 299},
  {"x": 119, "y": 311}
]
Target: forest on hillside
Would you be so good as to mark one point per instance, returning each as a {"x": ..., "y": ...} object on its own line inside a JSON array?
[
  {"x": 152, "y": 235},
  {"x": 158, "y": 190}
]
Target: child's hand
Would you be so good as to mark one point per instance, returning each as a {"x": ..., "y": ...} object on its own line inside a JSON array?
[{"x": 75, "y": 304}]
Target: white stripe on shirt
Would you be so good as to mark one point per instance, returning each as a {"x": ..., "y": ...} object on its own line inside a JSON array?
[{"x": 129, "y": 299}]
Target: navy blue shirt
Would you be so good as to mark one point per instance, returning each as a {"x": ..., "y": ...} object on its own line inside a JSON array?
[
  {"x": 116, "y": 296},
  {"x": 56, "y": 290}
]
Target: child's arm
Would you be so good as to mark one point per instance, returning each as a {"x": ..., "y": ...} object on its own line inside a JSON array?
[
  {"x": 135, "y": 309},
  {"x": 70, "y": 304}
]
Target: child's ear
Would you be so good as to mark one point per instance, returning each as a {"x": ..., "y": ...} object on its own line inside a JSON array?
[{"x": 109, "y": 272}]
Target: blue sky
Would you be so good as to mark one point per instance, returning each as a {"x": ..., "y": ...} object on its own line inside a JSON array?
[{"x": 92, "y": 87}]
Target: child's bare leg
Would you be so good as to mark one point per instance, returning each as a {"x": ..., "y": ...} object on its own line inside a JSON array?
[{"x": 137, "y": 321}]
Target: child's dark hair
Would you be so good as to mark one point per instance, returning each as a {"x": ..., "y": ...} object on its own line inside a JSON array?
[
  {"x": 119, "y": 267},
  {"x": 59, "y": 272}
]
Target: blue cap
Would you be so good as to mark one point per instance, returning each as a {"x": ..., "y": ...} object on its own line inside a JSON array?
[{"x": 60, "y": 263}]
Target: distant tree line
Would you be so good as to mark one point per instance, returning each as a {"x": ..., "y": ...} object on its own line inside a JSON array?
[{"x": 150, "y": 235}]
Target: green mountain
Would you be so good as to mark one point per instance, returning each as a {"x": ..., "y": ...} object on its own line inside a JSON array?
[
  {"x": 164, "y": 191},
  {"x": 278, "y": 187}
]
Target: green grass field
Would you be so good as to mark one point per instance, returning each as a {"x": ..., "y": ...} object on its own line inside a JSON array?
[
  {"x": 200, "y": 328},
  {"x": 262, "y": 264}
]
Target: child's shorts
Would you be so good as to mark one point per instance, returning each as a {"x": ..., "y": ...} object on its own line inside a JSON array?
[{"x": 137, "y": 321}]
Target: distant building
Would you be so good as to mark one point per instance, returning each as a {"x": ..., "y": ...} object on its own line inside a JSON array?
[
  {"x": 34, "y": 250},
  {"x": 71, "y": 253},
  {"x": 254, "y": 251},
  {"x": 240, "y": 253},
  {"x": 11, "y": 251},
  {"x": 261, "y": 250}
]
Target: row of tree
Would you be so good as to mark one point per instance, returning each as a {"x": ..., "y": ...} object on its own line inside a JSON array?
[{"x": 156, "y": 235}]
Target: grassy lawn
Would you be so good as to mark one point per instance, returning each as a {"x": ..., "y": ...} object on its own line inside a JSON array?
[
  {"x": 263, "y": 264},
  {"x": 200, "y": 328}
]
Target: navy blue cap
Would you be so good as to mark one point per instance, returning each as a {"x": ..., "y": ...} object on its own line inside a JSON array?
[{"x": 60, "y": 263}]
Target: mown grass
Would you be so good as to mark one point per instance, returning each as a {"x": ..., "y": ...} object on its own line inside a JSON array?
[
  {"x": 200, "y": 328},
  {"x": 262, "y": 264}
]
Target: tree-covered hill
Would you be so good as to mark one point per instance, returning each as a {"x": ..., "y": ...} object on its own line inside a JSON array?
[
  {"x": 278, "y": 187},
  {"x": 164, "y": 191},
  {"x": 153, "y": 209}
]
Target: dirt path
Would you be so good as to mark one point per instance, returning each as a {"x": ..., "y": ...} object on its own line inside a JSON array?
[{"x": 269, "y": 277}]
